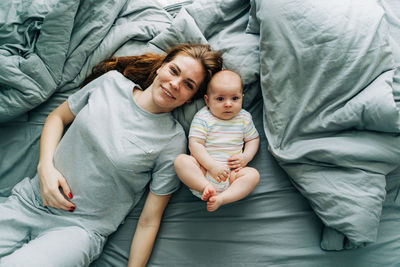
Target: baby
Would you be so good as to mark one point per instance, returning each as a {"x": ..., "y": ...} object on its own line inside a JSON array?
[{"x": 222, "y": 141}]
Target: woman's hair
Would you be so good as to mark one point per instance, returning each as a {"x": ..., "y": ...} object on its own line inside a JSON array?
[{"x": 142, "y": 69}]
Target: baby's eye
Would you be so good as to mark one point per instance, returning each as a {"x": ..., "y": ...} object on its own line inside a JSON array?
[
  {"x": 220, "y": 98},
  {"x": 235, "y": 98}
]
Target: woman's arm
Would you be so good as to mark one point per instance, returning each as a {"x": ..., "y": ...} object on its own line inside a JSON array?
[
  {"x": 146, "y": 229},
  {"x": 50, "y": 178}
]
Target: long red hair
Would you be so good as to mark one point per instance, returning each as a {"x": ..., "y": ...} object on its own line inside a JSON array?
[{"x": 142, "y": 69}]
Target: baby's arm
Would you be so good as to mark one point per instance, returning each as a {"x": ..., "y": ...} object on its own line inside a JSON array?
[
  {"x": 241, "y": 160},
  {"x": 199, "y": 152}
]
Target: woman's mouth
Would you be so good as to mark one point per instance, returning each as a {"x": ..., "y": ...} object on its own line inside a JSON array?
[{"x": 168, "y": 93}]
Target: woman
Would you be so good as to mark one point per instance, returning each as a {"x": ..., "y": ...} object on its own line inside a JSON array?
[{"x": 121, "y": 139}]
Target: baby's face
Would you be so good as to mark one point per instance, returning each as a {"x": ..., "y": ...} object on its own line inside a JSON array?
[{"x": 224, "y": 99}]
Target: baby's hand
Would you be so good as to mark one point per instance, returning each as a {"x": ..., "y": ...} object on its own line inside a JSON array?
[
  {"x": 237, "y": 161},
  {"x": 220, "y": 172}
]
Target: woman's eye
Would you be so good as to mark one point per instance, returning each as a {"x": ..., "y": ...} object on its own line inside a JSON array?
[
  {"x": 189, "y": 85},
  {"x": 220, "y": 98},
  {"x": 173, "y": 70}
]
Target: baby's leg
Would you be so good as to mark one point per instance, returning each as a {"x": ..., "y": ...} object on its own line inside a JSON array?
[
  {"x": 244, "y": 182},
  {"x": 192, "y": 174},
  {"x": 65, "y": 246}
]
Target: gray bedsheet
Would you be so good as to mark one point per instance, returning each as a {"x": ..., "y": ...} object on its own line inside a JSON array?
[{"x": 275, "y": 226}]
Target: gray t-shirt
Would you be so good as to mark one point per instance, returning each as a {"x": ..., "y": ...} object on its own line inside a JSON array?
[{"x": 112, "y": 150}]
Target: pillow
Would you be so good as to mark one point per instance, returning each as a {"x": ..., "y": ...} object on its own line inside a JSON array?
[
  {"x": 331, "y": 117},
  {"x": 253, "y": 26},
  {"x": 223, "y": 24}
]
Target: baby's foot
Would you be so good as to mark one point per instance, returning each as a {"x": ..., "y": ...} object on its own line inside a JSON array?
[
  {"x": 208, "y": 192},
  {"x": 214, "y": 202}
]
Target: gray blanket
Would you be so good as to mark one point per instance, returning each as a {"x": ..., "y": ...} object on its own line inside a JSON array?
[
  {"x": 51, "y": 46},
  {"x": 328, "y": 76},
  {"x": 321, "y": 80}
]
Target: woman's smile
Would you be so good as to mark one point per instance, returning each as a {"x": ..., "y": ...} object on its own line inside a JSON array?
[{"x": 165, "y": 91}]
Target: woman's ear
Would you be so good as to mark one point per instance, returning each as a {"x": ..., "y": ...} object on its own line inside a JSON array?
[{"x": 158, "y": 70}]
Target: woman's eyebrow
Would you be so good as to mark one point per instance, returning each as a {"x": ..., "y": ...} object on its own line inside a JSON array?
[
  {"x": 190, "y": 80},
  {"x": 176, "y": 66},
  {"x": 179, "y": 70}
]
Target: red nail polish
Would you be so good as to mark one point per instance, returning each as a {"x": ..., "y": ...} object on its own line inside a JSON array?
[
  {"x": 70, "y": 195},
  {"x": 72, "y": 209}
]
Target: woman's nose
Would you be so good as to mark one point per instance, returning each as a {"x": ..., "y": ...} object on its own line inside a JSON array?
[{"x": 175, "y": 84}]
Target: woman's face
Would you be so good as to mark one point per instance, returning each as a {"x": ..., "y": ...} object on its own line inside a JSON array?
[{"x": 176, "y": 82}]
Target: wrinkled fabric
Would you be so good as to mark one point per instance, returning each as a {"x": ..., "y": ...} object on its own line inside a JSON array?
[
  {"x": 331, "y": 107},
  {"x": 51, "y": 46}
]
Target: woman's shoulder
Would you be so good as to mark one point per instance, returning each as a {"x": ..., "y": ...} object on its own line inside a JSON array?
[
  {"x": 115, "y": 79},
  {"x": 116, "y": 76}
]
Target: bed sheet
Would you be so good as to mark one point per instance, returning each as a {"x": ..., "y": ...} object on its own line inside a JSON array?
[{"x": 274, "y": 226}]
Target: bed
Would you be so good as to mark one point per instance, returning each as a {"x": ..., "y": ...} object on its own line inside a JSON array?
[{"x": 321, "y": 80}]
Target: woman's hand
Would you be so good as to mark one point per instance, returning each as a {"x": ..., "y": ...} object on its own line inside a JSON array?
[
  {"x": 220, "y": 172},
  {"x": 50, "y": 182}
]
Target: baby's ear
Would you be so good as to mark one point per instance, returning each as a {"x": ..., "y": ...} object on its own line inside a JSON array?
[{"x": 206, "y": 99}]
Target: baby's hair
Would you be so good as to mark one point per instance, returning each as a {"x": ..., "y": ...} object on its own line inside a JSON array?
[{"x": 229, "y": 71}]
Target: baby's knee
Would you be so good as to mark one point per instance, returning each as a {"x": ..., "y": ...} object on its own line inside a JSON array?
[
  {"x": 256, "y": 175},
  {"x": 184, "y": 160},
  {"x": 253, "y": 174},
  {"x": 180, "y": 160}
]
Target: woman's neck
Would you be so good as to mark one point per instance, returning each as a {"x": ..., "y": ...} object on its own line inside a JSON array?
[{"x": 143, "y": 99}]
